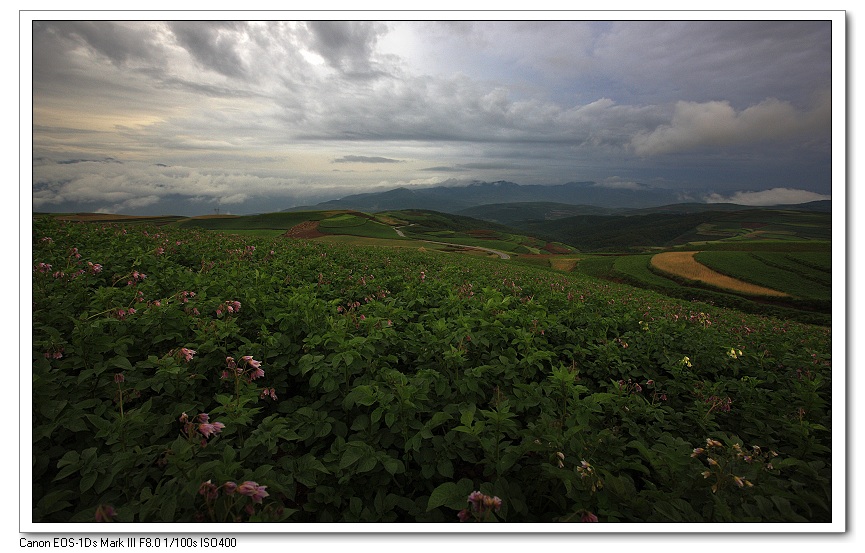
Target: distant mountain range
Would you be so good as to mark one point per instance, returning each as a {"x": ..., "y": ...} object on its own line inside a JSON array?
[
  {"x": 573, "y": 198},
  {"x": 451, "y": 199}
]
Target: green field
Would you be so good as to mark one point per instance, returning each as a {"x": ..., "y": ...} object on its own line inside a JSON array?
[
  {"x": 775, "y": 270},
  {"x": 186, "y": 376},
  {"x": 799, "y": 263},
  {"x": 635, "y": 269},
  {"x": 355, "y": 225}
]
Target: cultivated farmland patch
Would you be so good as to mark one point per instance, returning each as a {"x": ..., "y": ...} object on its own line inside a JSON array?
[{"x": 683, "y": 264}]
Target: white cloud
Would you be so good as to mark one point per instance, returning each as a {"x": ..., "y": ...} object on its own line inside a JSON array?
[
  {"x": 717, "y": 124},
  {"x": 773, "y": 196}
]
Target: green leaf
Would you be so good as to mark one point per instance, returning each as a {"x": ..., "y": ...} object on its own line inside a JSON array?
[
  {"x": 361, "y": 395},
  {"x": 350, "y": 456},
  {"x": 453, "y": 495},
  {"x": 438, "y": 418},
  {"x": 366, "y": 464},
  {"x": 468, "y": 415},
  {"x": 445, "y": 468},
  {"x": 391, "y": 465},
  {"x": 122, "y": 363},
  {"x": 87, "y": 481},
  {"x": 53, "y": 502}
]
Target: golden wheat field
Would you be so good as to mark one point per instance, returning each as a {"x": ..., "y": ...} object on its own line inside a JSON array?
[{"x": 684, "y": 265}]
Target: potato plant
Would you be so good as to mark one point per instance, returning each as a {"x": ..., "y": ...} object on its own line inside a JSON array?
[{"x": 182, "y": 375}]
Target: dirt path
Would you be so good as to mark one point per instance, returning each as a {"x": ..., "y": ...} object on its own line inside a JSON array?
[
  {"x": 683, "y": 264},
  {"x": 502, "y": 255}
]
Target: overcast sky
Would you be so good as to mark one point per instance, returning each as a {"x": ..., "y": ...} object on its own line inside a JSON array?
[{"x": 148, "y": 117}]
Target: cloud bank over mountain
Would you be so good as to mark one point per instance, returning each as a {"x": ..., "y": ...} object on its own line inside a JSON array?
[{"x": 144, "y": 116}]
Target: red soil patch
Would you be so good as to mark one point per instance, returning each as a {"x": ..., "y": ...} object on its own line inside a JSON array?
[
  {"x": 306, "y": 229},
  {"x": 553, "y": 248}
]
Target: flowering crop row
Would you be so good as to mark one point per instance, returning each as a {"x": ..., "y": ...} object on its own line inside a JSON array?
[{"x": 202, "y": 377}]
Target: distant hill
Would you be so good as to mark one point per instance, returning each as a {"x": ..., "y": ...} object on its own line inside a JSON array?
[{"x": 455, "y": 198}]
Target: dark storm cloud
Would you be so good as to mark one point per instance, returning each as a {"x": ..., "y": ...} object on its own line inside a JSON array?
[
  {"x": 243, "y": 111},
  {"x": 120, "y": 42},
  {"x": 743, "y": 62},
  {"x": 347, "y": 46},
  {"x": 213, "y": 44},
  {"x": 366, "y": 159}
]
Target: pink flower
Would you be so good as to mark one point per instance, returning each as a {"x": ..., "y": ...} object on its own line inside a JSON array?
[
  {"x": 118, "y": 378},
  {"x": 105, "y": 513},
  {"x": 589, "y": 517},
  {"x": 259, "y": 494},
  {"x": 251, "y": 362},
  {"x": 187, "y": 354},
  {"x": 253, "y": 490},
  {"x": 476, "y": 498},
  {"x": 208, "y": 490},
  {"x": 230, "y": 488},
  {"x": 210, "y": 429}
]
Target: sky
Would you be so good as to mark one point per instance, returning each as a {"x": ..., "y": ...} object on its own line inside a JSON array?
[{"x": 190, "y": 117}]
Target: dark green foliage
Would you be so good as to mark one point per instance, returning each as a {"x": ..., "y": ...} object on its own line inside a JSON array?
[{"x": 396, "y": 382}]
